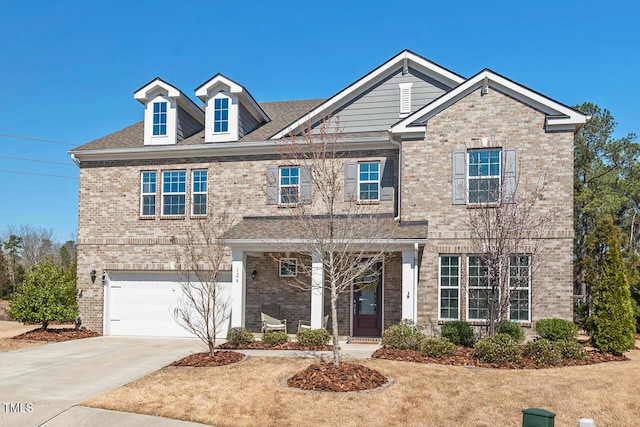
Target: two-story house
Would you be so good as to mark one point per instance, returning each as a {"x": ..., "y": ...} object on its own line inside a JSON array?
[{"x": 422, "y": 143}]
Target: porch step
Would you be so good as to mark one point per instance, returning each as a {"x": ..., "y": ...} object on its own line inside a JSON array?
[{"x": 364, "y": 340}]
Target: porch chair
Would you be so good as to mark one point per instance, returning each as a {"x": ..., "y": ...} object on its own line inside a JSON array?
[
  {"x": 270, "y": 323},
  {"x": 306, "y": 324}
]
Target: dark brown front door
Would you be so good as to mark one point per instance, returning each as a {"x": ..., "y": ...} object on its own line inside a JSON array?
[{"x": 367, "y": 303}]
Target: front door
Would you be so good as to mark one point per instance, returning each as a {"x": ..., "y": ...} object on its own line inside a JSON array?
[{"x": 367, "y": 303}]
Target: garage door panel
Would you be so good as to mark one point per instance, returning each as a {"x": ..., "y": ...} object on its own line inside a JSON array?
[{"x": 144, "y": 304}]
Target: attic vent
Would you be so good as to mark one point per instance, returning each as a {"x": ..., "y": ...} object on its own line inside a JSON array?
[{"x": 405, "y": 99}]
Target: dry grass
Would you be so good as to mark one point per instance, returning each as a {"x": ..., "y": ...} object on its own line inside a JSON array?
[
  {"x": 250, "y": 394},
  {"x": 7, "y": 344}
]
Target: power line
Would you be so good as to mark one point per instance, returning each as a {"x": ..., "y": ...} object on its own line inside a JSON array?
[
  {"x": 51, "y": 141},
  {"x": 38, "y": 174},
  {"x": 36, "y": 160}
]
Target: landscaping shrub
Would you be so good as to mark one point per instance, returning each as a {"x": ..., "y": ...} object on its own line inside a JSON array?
[
  {"x": 275, "y": 337},
  {"x": 313, "y": 337},
  {"x": 403, "y": 336},
  {"x": 512, "y": 329},
  {"x": 497, "y": 349},
  {"x": 239, "y": 336},
  {"x": 438, "y": 347},
  {"x": 459, "y": 333},
  {"x": 556, "y": 329},
  {"x": 571, "y": 349},
  {"x": 543, "y": 352}
]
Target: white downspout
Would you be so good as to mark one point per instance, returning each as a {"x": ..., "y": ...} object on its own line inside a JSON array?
[
  {"x": 415, "y": 283},
  {"x": 399, "y": 144}
]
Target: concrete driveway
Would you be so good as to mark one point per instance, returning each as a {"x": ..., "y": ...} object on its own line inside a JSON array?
[{"x": 39, "y": 384}]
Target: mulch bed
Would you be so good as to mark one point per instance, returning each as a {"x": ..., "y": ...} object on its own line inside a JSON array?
[
  {"x": 56, "y": 334},
  {"x": 342, "y": 378},
  {"x": 259, "y": 345},
  {"x": 204, "y": 360},
  {"x": 464, "y": 357}
]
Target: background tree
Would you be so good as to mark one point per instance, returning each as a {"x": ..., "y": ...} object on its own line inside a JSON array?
[
  {"x": 37, "y": 244},
  {"x": 350, "y": 237},
  {"x": 47, "y": 293},
  {"x": 606, "y": 173},
  {"x": 507, "y": 235},
  {"x": 13, "y": 246},
  {"x": 611, "y": 323},
  {"x": 6, "y": 285},
  {"x": 204, "y": 307}
]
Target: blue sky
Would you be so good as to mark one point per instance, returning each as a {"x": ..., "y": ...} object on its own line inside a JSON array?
[{"x": 68, "y": 69}]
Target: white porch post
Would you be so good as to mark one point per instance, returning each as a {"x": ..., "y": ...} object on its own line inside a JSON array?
[
  {"x": 408, "y": 290},
  {"x": 238, "y": 289},
  {"x": 317, "y": 291}
]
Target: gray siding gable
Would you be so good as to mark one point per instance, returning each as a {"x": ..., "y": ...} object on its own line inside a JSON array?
[
  {"x": 246, "y": 122},
  {"x": 378, "y": 108},
  {"x": 187, "y": 125}
]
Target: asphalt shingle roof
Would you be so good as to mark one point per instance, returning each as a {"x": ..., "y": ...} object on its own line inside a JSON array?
[{"x": 281, "y": 113}]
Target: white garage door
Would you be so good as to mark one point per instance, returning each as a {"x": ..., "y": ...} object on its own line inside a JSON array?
[{"x": 146, "y": 304}]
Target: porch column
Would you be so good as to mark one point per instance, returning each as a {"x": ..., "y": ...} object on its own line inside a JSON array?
[
  {"x": 317, "y": 291},
  {"x": 238, "y": 288},
  {"x": 408, "y": 289}
]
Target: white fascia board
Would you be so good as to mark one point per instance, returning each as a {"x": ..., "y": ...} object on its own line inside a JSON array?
[
  {"x": 190, "y": 107},
  {"x": 563, "y": 114},
  {"x": 213, "y": 150},
  {"x": 202, "y": 91},
  {"x": 421, "y": 64},
  {"x": 142, "y": 93},
  {"x": 253, "y": 106},
  {"x": 266, "y": 245}
]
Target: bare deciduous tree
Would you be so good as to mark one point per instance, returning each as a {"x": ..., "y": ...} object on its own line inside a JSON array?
[
  {"x": 508, "y": 231},
  {"x": 203, "y": 306},
  {"x": 331, "y": 223},
  {"x": 38, "y": 244}
]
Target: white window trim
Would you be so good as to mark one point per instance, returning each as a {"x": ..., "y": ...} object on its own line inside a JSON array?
[
  {"x": 280, "y": 186},
  {"x": 142, "y": 194},
  {"x": 469, "y": 287},
  {"x": 469, "y": 178},
  {"x": 520, "y": 288},
  {"x": 440, "y": 287},
  {"x": 194, "y": 193},
  {"x": 166, "y": 119},
  {"x": 213, "y": 128},
  {"x": 162, "y": 214},
  {"x": 378, "y": 181},
  {"x": 280, "y": 267}
]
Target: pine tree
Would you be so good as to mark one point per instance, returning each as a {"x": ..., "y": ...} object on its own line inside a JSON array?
[{"x": 612, "y": 322}]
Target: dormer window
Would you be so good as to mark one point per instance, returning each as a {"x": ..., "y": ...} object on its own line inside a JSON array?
[
  {"x": 221, "y": 115},
  {"x": 159, "y": 118}
]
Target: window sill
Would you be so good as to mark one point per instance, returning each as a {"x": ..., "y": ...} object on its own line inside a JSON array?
[
  {"x": 287, "y": 205},
  {"x": 198, "y": 216},
  {"x": 482, "y": 322},
  {"x": 368, "y": 202},
  {"x": 482, "y": 205},
  {"x": 147, "y": 217},
  {"x": 172, "y": 216}
]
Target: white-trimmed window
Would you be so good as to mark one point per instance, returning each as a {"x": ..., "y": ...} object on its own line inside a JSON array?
[
  {"x": 449, "y": 287},
  {"x": 221, "y": 115},
  {"x": 484, "y": 175},
  {"x": 479, "y": 289},
  {"x": 289, "y": 185},
  {"x": 519, "y": 288},
  {"x": 369, "y": 181},
  {"x": 148, "y": 194},
  {"x": 174, "y": 185},
  {"x": 288, "y": 267},
  {"x": 199, "y": 192},
  {"x": 159, "y": 118}
]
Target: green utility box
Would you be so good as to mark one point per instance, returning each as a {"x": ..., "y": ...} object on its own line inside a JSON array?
[{"x": 535, "y": 417}]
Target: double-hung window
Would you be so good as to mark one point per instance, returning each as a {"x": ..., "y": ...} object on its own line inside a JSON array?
[
  {"x": 484, "y": 176},
  {"x": 369, "y": 181},
  {"x": 449, "y": 286},
  {"x": 479, "y": 289},
  {"x": 288, "y": 267},
  {"x": 173, "y": 192},
  {"x": 221, "y": 115},
  {"x": 159, "y": 118},
  {"x": 148, "y": 194},
  {"x": 519, "y": 287},
  {"x": 289, "y": 185},
  {"x": 199, "y": 192}
]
